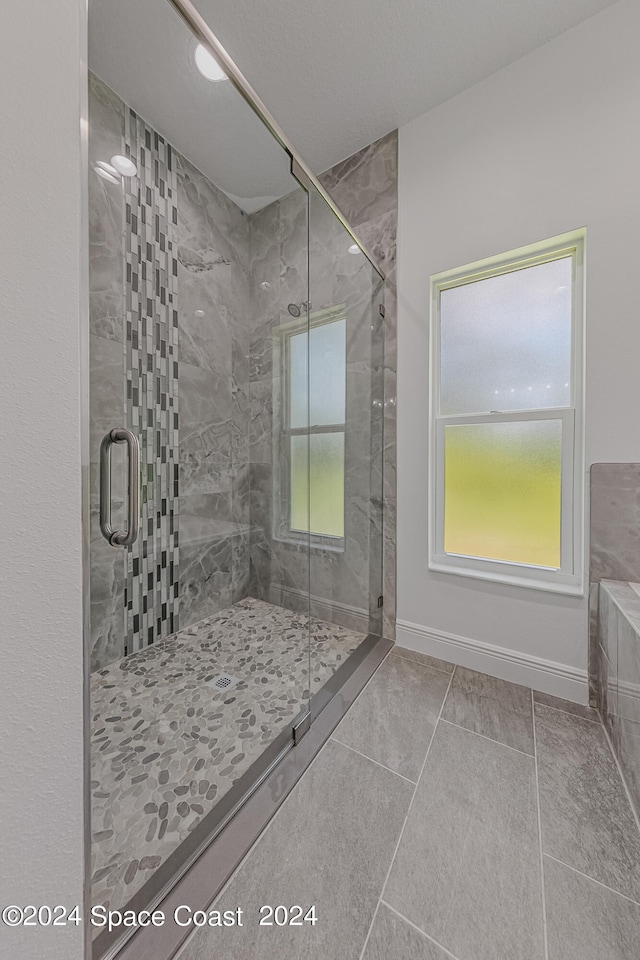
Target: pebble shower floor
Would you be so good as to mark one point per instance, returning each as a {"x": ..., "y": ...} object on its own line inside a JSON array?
[{"x": 167, "y": 745}]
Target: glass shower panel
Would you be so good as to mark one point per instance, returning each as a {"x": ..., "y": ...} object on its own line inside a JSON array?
[
  {"x": 346, "y": 409},
  {"x": 198, "y": 242}
]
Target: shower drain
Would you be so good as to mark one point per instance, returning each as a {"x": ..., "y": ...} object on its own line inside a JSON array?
[{"x": 223, "y": 682}]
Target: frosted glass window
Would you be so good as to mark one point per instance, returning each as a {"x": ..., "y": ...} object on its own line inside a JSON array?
[
  {"x": 298, "y": 380},
  {"x": 502, "y": 495},
  {"x": 315, "y": 431},
  {"x": 506, "y": 470},
  {"x": 506, "y": 341},
  {"x": 317, "y": 489},
  {"x": 327, "y": 374}
]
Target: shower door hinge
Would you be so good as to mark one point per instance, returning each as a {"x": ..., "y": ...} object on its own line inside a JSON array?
[
  {"x": 381, "y": 310},
  {"x": 380, "y": 601},
  {"x": 301, "y": 727}
]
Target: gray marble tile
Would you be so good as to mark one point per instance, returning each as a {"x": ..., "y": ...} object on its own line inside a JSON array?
[
  {"x": 499, "y": 710},
  {"x": 205, "y": 580},
  {"x": 205, "y": 413},
  {"x": 623, "y": 699},
  {"x": 106, "y": 395},
  {"x": 106, "y": 215},
  {"x": 585, "y": 921},
  {"x": 585, "y": 814},
  {"x": 393, "y": 719},
  {"x": 200, "y": 474},
  {"x": 627, "y": 745},
  {"x": 423, "y": 658},
  {"x": 261, "y": 357},
  {"x": 329, "y": 845},
  {"x": 379, "y": 237},
  {"x": 278, "y": 239},
  {"x": 212, "y": 230},
  {"x": 107, "y": 605},
  {"x": 467, "y": 870},
  {"x": 608, "y": 690},
  {"x": 365, "y": 185},
  {"x": 615, "y": 521},
  {"x": 240, "y": 492},
  {"x": 392, "y": 937},
  {"x": 264, "y": 407},
  {"x": 594, "y": 589},
  {"x": 577, "y": 709}
]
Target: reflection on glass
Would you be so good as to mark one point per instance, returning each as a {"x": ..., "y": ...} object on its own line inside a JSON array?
[
  {"x": 506, "y": 341},
  {"x": 503, "y": 490}
]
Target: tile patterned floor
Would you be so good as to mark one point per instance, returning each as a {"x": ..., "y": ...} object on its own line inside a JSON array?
[
  {"x": 452, "y": 816},
  {"x": 166, "y": 746}
]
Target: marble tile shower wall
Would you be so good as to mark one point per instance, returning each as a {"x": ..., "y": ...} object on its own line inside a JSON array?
[
  {"x": 278, "y": 246},
  {"x": 365, "y": 188},
  {"x": 345, "y": 584},
  {"x": 619, "y": 676},
  {"x": 106, "y": 356},
  {"x": 211, "y": 291},
  {"x": 226, "y": 316},
  {"x": 614, "y": 631},
  {"x": 213, "y": 281},
  {"x": 614, "y": 541}
]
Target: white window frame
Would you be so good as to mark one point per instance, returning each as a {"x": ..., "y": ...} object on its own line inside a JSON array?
[
  {"x": 569, "y": 577},
  {"x": 282, "y": 433}
]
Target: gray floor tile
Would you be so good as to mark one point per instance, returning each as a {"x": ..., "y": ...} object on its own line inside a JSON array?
[
  {"x": 577, "y": 709},
  {"x": 423, "y": 658},
  {"x": 393, "y": 719},
  {"x": 585, "y": 921},
  {"x": 492, "y": 707},
  {"x": 585, "y": 814},
  {"x": 394, "y": 939},
  {"x": 467, "y": 871},
  {"x": 329, "y": 845}
]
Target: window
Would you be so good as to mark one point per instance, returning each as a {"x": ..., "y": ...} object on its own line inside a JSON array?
[
  {"x": 506, "y": 409},
  {"x": 312, "y": 432}
]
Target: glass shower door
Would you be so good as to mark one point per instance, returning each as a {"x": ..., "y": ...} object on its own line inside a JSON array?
[
  {"x": 346, "y": 406},
  {"x": 199, "y": 598}
]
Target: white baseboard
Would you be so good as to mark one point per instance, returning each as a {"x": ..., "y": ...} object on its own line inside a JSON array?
[{"x": 547, "y": 676}]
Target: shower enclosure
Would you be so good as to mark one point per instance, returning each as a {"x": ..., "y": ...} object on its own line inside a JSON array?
[{"x": 236, "y": 415}]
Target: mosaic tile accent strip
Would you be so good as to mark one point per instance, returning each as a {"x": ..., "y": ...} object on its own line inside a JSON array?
[
  {"x": 151, "y": 365},
  {"x": 166, "y": 746}
]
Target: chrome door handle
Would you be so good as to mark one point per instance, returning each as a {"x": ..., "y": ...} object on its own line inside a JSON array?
[{"x": 120, "y": 538}]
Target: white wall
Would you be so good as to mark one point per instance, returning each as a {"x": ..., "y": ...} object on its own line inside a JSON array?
[
  {"x": 549, "y": 144},
  {"x": 41, "y": 756}
]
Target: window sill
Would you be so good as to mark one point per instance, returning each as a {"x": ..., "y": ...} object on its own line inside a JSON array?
[{"x": 570, "y": 586}]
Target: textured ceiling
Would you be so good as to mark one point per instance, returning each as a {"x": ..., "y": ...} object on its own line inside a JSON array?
[{"x": 336, "y": 74}]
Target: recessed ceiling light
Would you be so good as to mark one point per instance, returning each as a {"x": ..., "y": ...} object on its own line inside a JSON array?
[
  {"x": 108, "y": 168},
  {"x": 354, "y": 248},
  {"x": 106, "y": 175},
  {"x": 208, "y": 65},
  {"x": 124, "y": 165}
]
